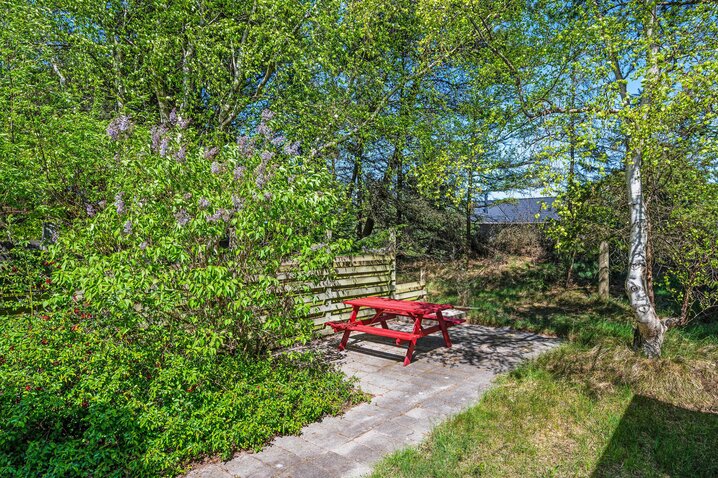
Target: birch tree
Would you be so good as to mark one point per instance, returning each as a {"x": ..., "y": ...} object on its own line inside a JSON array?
[{"x": 648, "y": 71}]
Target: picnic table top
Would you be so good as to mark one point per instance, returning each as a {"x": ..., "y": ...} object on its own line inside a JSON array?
[{"x": 400, "y": 306}]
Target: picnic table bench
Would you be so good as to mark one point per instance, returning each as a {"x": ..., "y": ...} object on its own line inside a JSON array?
[{"x": 387, "y": 309}]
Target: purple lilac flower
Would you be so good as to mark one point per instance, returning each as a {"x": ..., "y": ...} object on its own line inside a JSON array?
[
  {"x": 113, "y": 131},
  {"x": 246, "y": 145},
  {"x": 181, "y": 154},
  {"x": 261, "y": 175},
  {"x": 267, "y": 114},
  {"x": 158, "y": 132},
  {"x": 125, "y": 123},
  {"x": 216, "y": 216},
  {"x": 268, "y": 196},
  {"x": 163, "y": 146},
  {"x": 182, "y": 217},
  {"x": 239, "y": 172},
  {"x": 210, "y": 153},
  {"x": 264, "y": 130},
  {"x": 143, "y": 245},
  {"x": 237, "y": 202},
  {"x": 127, "y": 229},
  {"x": 117, "y": 126},
  {"x": 183, "y": 122},
  {"x": 261, "y": 181},
  {"x": 242, "y": 142},
  {"x": 187, "y": 196},
  {"x": 119, "y": 203},
  {"x": 173, "y": 116},
  {"x": 203, "y": 203},
  {"x": 291, "y": 149},
  {"x": 261, "y": 172},
  {"x": 90, "y": 210},
  {"x": 279, "y": 140},
  {"x": 215, "y": 168}
]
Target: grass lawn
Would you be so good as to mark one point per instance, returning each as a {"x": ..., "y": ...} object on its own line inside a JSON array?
[{"x": 591, "y": 407}]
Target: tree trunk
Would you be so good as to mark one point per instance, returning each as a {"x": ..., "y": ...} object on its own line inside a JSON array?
[
  {"x": 650, "y": 330},
  {"x": 603, "y": 271},
  {"x": 469, "y": 207},
  {"x": 399, "y": 187}
]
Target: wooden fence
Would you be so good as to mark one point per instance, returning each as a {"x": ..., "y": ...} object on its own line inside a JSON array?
[{"x": 359, "y": 276}]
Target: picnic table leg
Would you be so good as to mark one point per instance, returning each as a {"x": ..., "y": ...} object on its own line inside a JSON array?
[
  {"x": 409, "y": 352},
  {"x": 412, "y": 342},
  {"x": 444, "y": 331},
  {"x": 345, "y": 337}
]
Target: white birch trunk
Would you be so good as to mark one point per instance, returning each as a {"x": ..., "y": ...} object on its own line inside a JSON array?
[{"x": 650, "y": 330}]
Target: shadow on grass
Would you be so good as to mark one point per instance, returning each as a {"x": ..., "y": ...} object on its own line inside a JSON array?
[{"x": 655, "y": 438}]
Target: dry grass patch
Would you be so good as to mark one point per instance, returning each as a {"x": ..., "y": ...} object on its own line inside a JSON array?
[
  {"x": 592, "y": 408},
  {"x": 686, "y": 376}
]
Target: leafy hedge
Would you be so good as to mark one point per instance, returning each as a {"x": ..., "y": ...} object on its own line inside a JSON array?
[
  {"x": 80, "y": 399},
  {"x": 141, "y": 339}
]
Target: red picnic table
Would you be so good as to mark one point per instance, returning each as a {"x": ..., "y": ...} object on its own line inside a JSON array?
[{"x": 387, "y": 309}]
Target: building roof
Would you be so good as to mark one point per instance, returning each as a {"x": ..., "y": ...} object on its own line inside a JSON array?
[{"x": 516, "y": 211}]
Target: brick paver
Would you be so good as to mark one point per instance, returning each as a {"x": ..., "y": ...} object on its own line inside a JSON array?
[{"x": 407, "y": 402}]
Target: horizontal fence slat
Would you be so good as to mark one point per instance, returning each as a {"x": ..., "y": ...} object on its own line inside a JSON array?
[
  {"x": 354, "y": 281},
  {"x": 338, "y": 317},
  {"x": 364, "y": 269},
  {"x": 345, "y": 294},
  {"x": 347, "y": 261},
  {"x": 411, "y": 295},
  {"x": 409, "y": 286},
  {"x": 383, "y": 270}
]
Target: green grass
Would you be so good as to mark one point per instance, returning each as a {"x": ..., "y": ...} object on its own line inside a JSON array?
[{"x": 590, "y": 408}]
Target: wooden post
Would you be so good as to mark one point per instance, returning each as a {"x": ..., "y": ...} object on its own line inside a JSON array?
[
  {"x": 330, "y": 296},
  {"x": 392, "y": 278},
  {"x": 422, "y": 284},
  {"x": 603, "y": 270}
]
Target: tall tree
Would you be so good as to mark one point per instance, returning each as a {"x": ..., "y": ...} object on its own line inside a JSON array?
[{"x": 650, "y": 68}]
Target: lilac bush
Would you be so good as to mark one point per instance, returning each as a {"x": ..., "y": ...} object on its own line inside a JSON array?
[{"x": 214, "y": 229}]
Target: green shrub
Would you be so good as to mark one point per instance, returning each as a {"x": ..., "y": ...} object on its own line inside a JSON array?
[
  {"x": 151, "y": 346},
  {"x": 81, "y": 399},
  {"x": 196, "y": 238}
]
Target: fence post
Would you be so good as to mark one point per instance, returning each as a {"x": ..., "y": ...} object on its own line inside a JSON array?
[
  {"x": 392, "y": 259},
  {"x": 603, "y": 271},
  {"x": 328, "y": 290}
]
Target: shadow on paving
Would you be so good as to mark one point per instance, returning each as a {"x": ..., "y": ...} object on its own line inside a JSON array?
[
  {"x": 665, "y": 439},
  {"x": 494, "y": 349}
]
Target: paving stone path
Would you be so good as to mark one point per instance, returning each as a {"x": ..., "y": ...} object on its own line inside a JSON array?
[{"x": 407, "y": 403}]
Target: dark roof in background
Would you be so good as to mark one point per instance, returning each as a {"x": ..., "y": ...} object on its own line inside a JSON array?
[{"x": 516, "y": 211}]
